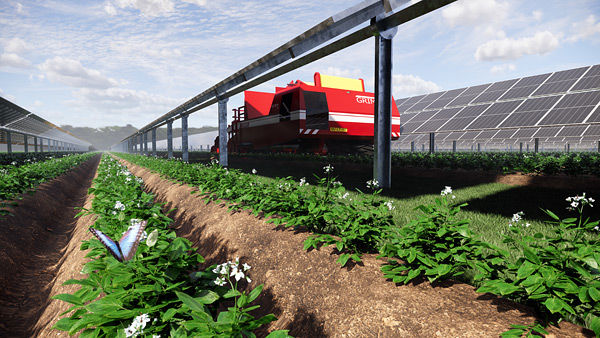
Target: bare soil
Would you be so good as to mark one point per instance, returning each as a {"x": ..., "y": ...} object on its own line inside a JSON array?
[
  {"x": 40, "y": 250},
  {"x": 312, "y": 296}
]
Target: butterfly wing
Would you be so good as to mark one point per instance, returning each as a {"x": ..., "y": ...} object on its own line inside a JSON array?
[
  {"x": 111, "y": 245},
  {"x": 131, "y": 239}
]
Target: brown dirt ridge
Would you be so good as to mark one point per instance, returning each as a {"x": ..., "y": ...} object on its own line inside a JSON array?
[
  {"x": 36, "y": 255},
  {"x": 312, "y": 296}
]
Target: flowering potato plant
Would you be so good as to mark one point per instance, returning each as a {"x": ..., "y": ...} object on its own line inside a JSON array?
[
  {"x": 16, "y": 179},
  {"x": 438, "y": 245},
  {"x": 159, "y": 292},
  {"x": 557, "y": 272}
]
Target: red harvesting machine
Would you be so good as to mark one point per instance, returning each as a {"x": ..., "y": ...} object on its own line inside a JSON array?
[{"x": 332, "y": 115}]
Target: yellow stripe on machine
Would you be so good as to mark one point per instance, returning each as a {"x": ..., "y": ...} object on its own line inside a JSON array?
[{"x": 339, "y": 82}]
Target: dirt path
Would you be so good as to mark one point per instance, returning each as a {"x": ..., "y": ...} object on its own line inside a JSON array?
[
  {"x": 313, "y": 297},
  {"x": 34, "y": 248}
]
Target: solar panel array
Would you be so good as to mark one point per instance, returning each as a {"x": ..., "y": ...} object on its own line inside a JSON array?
[
  {"x": 555, "y": 107},
  {"x": 19, "y": 121}
]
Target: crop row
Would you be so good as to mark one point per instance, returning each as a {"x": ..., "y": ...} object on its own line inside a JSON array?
[
  {"x": 14, "y": 180},
  {"x": 501, "y": 162},
  {"x": 160, "y": 291},
  {"x": 17, "y": 159},
  {"x": 556, "y": 272}
]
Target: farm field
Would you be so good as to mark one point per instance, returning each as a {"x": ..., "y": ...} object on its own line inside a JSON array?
[{"x": 488, "y": 224}]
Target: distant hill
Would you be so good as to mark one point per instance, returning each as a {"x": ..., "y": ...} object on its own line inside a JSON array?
[{"x": 103, "y": 138}]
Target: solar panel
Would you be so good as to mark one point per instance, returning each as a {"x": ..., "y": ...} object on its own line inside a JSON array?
[
  {"x": 524, "y": 87},
  {"x": 560, "y": 81},
  {"x": 443, "y": 100},
  {"x": 505, "y": 133},
  {"x": 406, "y": 117},
  {"x": 409, "y": 102},
  {"x": 468, "y": 95},
  {"x": 430, "y": 126},
  {"x": 547, "y": 132},
  {"x": 470, "y": 135},
  {"x": 409, "y": 127},
  {"x": 530, "y": 112},
  {"x": 426, "y": 101},
  {"x": 573, "y": 108},
  {"x": 493, "y": 92},
  {"x": 423, "y": 116},
  {"x": 590, "y": 80},
  {"x": 525, "y": 133},
  {"x": 487, "y": 134},
  {"x": 572, "y": 131},
  {"x": 593, "y": 130}
]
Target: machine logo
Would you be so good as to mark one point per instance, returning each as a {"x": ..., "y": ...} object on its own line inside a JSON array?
[{"x": 365, "y": 99}]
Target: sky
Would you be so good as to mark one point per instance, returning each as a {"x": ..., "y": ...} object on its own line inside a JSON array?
[{"x": 118, "y": 62}]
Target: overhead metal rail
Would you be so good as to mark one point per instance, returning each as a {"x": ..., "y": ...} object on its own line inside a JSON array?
[
  {"x": 383, "y": 19},
  {"x": 23, "y": 127}
]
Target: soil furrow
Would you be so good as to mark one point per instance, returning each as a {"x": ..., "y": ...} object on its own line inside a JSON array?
[
  {"x": 34, "y": 240},
  {"x": 312, "y": 296}
]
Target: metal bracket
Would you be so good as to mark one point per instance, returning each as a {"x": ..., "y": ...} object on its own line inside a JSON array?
[{"x": 387, "y": 34}]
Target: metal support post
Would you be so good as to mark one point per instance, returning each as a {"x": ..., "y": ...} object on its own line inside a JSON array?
[
  {"x": 184, "y": 139},
  {"x": 170, "y": 139},
  {"x": 454, "y": 146},
  {"x": 25, "y": 143},
  {"x": 382, "y": 159},
  {"x": 527, "y": 147},
  {"x": 536, "y": 145},
  {"x": 599, "y": 146},
  {"x": 431, "y": 143},
  {"x": 223, "y": 158},
  {"x": 520, "y": 147},
  {"x": 9, "y": 142},
  {"x": 41, "y": 145},
  {"x": 35, "y": 144},
  {"x": 412, "y": 146},
  {"x": 146, "y": 144},
  {"x": 568, "y": 147},
  {"x": 154, "y": 142},
  {"x": 478, "y": 147}
]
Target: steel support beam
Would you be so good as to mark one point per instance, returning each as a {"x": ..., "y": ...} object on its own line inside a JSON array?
[
  {"x": 154, "y": 142},
  {"x": 170, "y": 139},
  {"x": 478, "y": 147},
  {"x": 185, "y": 156},
  {"x": 8, "y": 142},
  {"x": 412, "y": 146},
  {"x": 146, "y": 144},
  {"x": 223, "y": 158},
  {"x": 25, "y": 143},
  {"x": 431, "y": 143},
  {"x": 41, "y": 145},
  {"x": 536, "y": 145},
  {"x": 35, "y": 144},
  {"x": 454, "y": 146},
  {"x": 382, "y": 159}
]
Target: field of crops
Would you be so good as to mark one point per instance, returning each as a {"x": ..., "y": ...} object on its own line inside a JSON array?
[
  {"x": 551, "y": 265},
  {"x": 535, "y": 246}
]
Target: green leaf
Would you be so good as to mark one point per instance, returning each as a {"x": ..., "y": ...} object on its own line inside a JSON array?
[
  {"x": 526, "y": 269},
  {"x": 64, "y": 324},
  {"x": 207, "y": 297},
  {"x": 255, "y": 293},
  {"x": 553, "y": 304},
  {"x": 279, "y": 334},
  {"x": 69, "y": 298},
  {"x": 190, "y": 302},
  {"x": 531, "y": 256},
  {"x": 343, "y": 259},
  {"x": 594, "y": 293}
]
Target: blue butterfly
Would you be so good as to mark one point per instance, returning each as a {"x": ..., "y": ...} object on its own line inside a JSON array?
[{"x": 125, "y": 249}]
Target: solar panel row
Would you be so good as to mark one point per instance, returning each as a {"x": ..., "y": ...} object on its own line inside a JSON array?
[{"x": 563, "y": 104}]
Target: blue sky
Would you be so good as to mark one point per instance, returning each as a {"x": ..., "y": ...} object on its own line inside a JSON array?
[{"x": 114, "y": 62}]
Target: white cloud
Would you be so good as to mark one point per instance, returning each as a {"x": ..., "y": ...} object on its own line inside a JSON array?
[
  {"x": 410, "y": 85},
  {"x": 16, "y": 45},
  {"x": 585, "y": 29},
  {"x": 510, "y": 49},
  {"x": 120, "y": 100},
  {"x": 200, "y": 3},
  {"x": 537, "y": 15},
  {"x": 20, "y": 8},
  {"x": 13, "y": 60},
  {"x": 503, "y": 68},
  {"x": 110, "y": 9},
  {"x": 37, "y": 103},
  {"x": 148, "y": 7},
  {"x": 475, "y": 12},
  {"x": 72, "y": 73}
]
